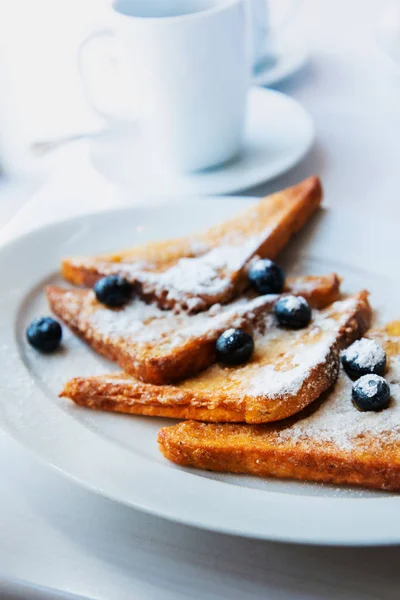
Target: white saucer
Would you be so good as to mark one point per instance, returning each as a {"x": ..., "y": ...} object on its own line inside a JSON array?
[
  {"x": 289, "y": 58},
  {"x": 279, "y": 132}
]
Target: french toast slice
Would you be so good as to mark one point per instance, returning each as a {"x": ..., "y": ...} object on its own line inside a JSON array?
[
  {"x": 289, "y": 370},
  {"x": 330, "y": 442},
  {"x": 162, "y": 346},
  {"x": 198, "y": 271}
]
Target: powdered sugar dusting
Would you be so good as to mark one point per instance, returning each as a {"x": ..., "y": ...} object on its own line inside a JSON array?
[
  {"x": 369, "y": 384},
  {"x": 339, "y": 422},
  {"x": 136, "y": 321},
  {"x": 302, "y": 285},
  {"x": 294, "y": 303},
  {"x": 140, "y": 323},
  {"x": 301, "y": 351},
  {"x": 207, "y": 275},
  {"x": 365, "y": 353}
]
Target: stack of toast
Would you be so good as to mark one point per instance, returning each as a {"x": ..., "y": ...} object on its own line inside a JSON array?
[{"x": 287, "y": 412}]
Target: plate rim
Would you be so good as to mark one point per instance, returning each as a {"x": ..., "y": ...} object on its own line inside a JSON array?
[{"x": 224, "y": 521}]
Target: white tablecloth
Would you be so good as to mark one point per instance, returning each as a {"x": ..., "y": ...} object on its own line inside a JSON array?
[{"x": 58, "y": 535}]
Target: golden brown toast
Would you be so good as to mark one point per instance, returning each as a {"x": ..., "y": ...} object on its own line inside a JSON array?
[
  {"x": 161, "y": 346},
  {"x": 198, "y": 271},
  {"x": 332, "y": 443},
  {"x": 289, "y": 370}
]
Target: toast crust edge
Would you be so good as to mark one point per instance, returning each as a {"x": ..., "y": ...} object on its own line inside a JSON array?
[
  {"x": 370, "y": 462},
  {"x": 134, "y": 397},
  {"x": 188, "y": 359},
  {"x": 290, "y": 209},
  {"x": 184, "y": 445}
]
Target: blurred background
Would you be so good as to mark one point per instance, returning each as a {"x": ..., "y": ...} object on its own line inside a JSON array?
[
  {"x": 349, "y": 85},
  {"x": 41, "y": 92}
]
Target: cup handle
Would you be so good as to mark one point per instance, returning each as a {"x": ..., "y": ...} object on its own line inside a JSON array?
[
  {"x": 290, "y": 13},
  {"x": 82, "y": 69}
]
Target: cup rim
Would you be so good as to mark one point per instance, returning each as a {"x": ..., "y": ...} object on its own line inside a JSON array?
[{"x": 220, "y": 7}]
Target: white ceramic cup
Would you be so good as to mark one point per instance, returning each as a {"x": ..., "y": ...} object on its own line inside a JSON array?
[{"x": 189, "y": 65}]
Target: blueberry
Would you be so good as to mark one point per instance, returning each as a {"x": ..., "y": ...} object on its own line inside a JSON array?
[
  {"x": 234, "y": 347},
  {"x": 44, "y": 334},
  {"x": 371, "y": 392},
  {"x": 364, "y": 357},
  {"x": 266, "y": 277},
  {"x": 293, "y": 312},
  {"x": 113, "y": 291}
]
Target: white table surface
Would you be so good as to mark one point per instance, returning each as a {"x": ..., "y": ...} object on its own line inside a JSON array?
[{"x": 55, "y": 534}]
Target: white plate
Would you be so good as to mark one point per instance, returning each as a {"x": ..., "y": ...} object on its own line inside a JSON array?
[
  {"x": 117, "y": 455},
  {"x": 279, "y": 132}
]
